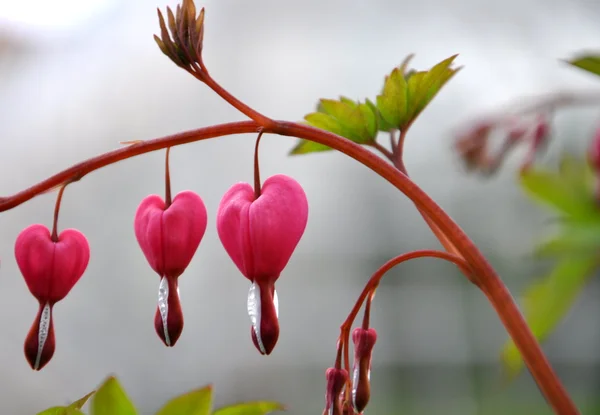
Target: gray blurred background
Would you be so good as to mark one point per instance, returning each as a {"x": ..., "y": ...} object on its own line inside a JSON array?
[{"x": 77, "y": 77}]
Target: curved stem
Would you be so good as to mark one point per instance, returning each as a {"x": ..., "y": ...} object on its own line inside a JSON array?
[
  {"x": 486, "y": 277},
  {"x": 369, "y": 290},
  {"x": 167, "y": 180},
  {"x": 257, "y": 167},
  {"x": 54, "y": 235}
]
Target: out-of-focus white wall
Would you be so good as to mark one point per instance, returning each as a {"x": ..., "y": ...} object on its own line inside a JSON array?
[{"x": 76, "y": 92}]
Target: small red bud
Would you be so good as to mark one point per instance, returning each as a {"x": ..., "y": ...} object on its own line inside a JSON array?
[
  {"x": 364, "y": 341},
  {"x": 336, "y": 382},
  {"x": 169, "y": 237},
  {"x": 50, "y": 269},
  {"x": 260, "y": 234}
]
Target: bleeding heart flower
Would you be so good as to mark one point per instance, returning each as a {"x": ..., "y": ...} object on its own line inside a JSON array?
[
  {"x": 336, "y": 381},
  {"x": 50, "y": 269},
  {"x": 364, "y": 341},
  {"x": 169, "y": 237},
  {"x": 260, "y": 235}
]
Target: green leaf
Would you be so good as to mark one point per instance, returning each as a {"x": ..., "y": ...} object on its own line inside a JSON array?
[
  {"x": 546, "y": 302},
  {"x": 250, "y": 408},
  {"x": 393, "y": 101},
  {"x": 73, "y": 409},
  {"x": 574, "y": 240},
  {"x": 61, "y": 410},
  {"x": 590, "y": 63},
  {"x": 111, "y": 399},
  {"x": 568, "y": 190},
  {"x": 344, "y": 117},
  {"x": 405, "y": 95},
  {"x": 197, "y": 402}
]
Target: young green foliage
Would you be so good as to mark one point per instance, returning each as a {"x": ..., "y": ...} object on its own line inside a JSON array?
[
  {"x": 570, "y": 192},
  {"x": 590, "y": 63},
  {"x": 353, "y": 120},
  {"x": 72, "y": 409},
  {"x": 250, "y": 408},
  {"x": 405, "y": 95},
  {"x": 111, "y": 399},
  {"x": 197, "y": 402}
]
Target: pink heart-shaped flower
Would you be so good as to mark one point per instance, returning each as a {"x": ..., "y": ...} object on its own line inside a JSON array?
[
  {"x": 260, "y": 235},
  {"x": 169, "y": 237},
  {"x": 50, "y": 269}
]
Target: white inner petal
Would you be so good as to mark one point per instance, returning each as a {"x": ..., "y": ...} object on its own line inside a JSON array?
[
  {"x": 255, "y": 314},
  {"x": 43, "y": 330},
  {"x": 163, "y": 306},
  {"x": 355, "y": 374},
  {"x": 276, "y": 303}
]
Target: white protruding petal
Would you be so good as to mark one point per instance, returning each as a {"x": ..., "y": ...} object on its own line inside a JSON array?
[
  {"x": 255, "y": 313},
  {"x": 43, "y": 331},
  {"x": 163, "y": 306},
  {"x": 355, "y": 375}
]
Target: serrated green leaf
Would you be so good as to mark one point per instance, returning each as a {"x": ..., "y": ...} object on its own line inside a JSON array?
[
  {"x": 382, "y": 125},
  {"x": 590, "y": 63},
  {"x": 250, "y": 408},
  {"x": 546, "y": 302},
  {"x": 369, "y": 120},
  {"x": 349, "y": 119},
  {"x": 197, "y": 402},
  {"x": 344, "y": 117},
  {"x": 111, "y": 399},
  {"x": 393, "y": 101},
  {"x": 569, "y": 190},
  {"x": 404, "y": 97}
]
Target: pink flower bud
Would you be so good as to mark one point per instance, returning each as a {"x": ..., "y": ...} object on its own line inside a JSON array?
[
  {"x": 364, "y": 341},
  {"x": 50, "y": 270},
  {"x": 169, "y": 237},
  {"x": 260, "y": 235},
  {"x": 336, "y": 381}
]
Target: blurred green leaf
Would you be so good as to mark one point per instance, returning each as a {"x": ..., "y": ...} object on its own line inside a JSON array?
[
  {"x": 568, "y": 190},
  {"x": 111, "y": 399},
  {"x": 353, "y": 120},
  {"x": 574, "y": 240},
  {"x": 197, "y": 402},
  {"x": 405, "y": 95},
  {"x": 73, "y": 409},
  {"x": 547, "y": 301},
  {"x": 250, "y": 408},
  {"x": 61, "y": 410},
  {"x": 590, "y": 63}
]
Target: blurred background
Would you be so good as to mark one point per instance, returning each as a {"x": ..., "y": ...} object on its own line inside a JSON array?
[{"x": 77, "y": 77}]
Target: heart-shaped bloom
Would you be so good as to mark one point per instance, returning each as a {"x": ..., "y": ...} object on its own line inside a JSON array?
[
  {"x": 50, "y": 269},
  {"x": 364, "y": 341},
  {"x": 169, "y": 237},
  {"x": 260, "y": 235}
]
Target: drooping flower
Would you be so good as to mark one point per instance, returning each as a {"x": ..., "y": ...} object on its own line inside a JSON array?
[
  {"x": 336, "y": 381},
  {"x": 169, "y": 237},
  {"x": 364, "y": 341},
  {"x": 50, "y": 269},
  {"x": 260, "y": 235}
]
